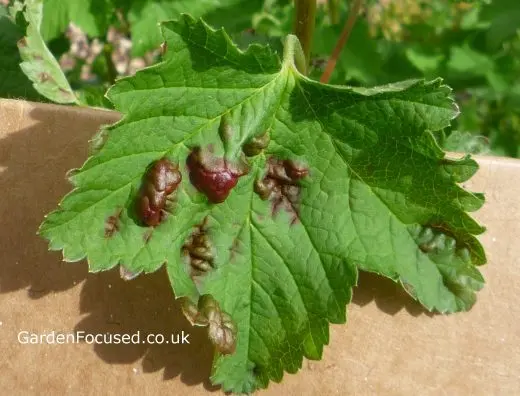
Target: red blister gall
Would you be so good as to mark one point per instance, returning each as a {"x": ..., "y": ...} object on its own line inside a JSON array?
[
  {"x": 215, "y": 180},
  {"x": 161, "y": 180}
]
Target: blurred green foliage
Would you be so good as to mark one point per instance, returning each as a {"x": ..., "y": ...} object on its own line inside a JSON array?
[{"x": 473, "y": 45}]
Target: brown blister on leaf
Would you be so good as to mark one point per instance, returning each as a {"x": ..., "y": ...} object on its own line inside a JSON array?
[
  {"x": 160, "y": 180},
  {"x": 44, "y": 77},
  {"x": 22, "y": 43},
  {"x": 199, "y": 251},
  {"x": 213, "y": 176},
  {"x": 425, "y": 248},
  {"x": 257, "y": 144},
  {"x": 222, "y": 331},
  {"x": 225, "y": 130},
  {"x": 164, "y": 48},
  {"x": 112, "y": 224},
  {"x": 234, "y": 249},
  {"x": 192, "y": 313},
  {"x": 294, "y": 170},
  {"x": 281, "y": 186}
]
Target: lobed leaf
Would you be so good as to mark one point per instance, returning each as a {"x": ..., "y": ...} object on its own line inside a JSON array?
[{"x": 371, "y": 182}]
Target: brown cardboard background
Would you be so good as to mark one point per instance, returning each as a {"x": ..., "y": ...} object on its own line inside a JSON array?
[{"x": 390, "y": 346}]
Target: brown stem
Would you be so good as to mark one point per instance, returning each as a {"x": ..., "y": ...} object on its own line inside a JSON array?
[
  {"x": 111, "y": 68},
  {"x": 304, "y": 22},
  {"x": 349, "y": 24},
  {"x": 124, "y": 26},
  {"x": 334, "y": 11}
]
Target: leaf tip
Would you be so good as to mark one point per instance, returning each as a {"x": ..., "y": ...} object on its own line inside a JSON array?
[
  {"x": 126, "y": 274},
  {"x": 456, "y": 110}
]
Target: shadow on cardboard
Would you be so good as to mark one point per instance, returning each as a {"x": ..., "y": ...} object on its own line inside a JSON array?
[{"x": 33, "y": 164}]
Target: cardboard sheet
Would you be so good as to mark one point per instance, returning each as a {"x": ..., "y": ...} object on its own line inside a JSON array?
[{"x": 390, "y": 345}]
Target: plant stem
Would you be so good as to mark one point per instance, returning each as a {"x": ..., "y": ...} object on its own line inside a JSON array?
[
  {"x": 124, "y": 26},
  {"x": 349, "y": 24},
  {"x": 111, "y": 68},
  {"x": 334, "y": 11},
  {"x": 304, "y": 22}
]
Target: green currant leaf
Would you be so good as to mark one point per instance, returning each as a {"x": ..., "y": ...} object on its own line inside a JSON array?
[
  {"x": 144, "y": 17},
  {"x": 427, "y": 63},
  {"x": 38, "y": 62},
  {"x": 468, "y": 62},
  {"x": 13, "y": 82},
  {"x": 92, "y": 16},
  {"x": 504, "y": 18},
  {"x": 336, "y": 179}
]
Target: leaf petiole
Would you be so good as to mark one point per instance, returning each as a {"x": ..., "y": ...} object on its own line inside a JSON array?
[{"x": 293, "y": 53}]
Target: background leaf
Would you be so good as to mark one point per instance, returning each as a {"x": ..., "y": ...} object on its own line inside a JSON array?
[
  {"x": 504, "y": 17},
  {"x": 92, "y": 16},
  {"x": 144, "y": 17},
  {"x": 13, "y": 82},
  {"x": 38, "y": 62}
]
